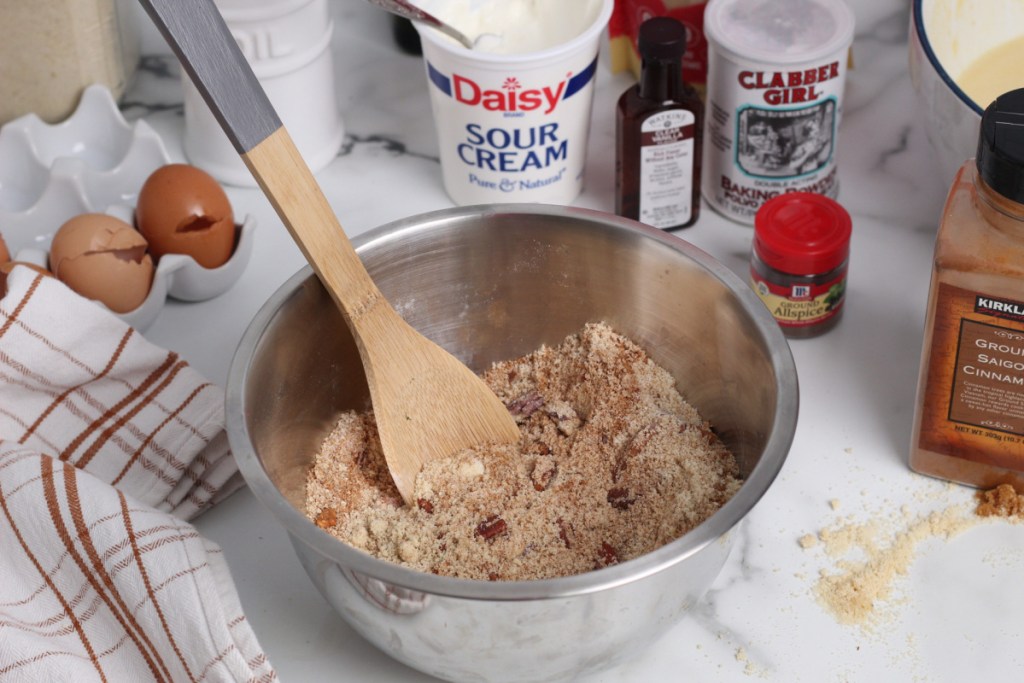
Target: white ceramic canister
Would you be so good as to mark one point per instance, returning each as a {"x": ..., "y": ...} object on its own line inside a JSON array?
[
  {"x": 287, "y": 43},
  {"x": 776, "y": 71}
]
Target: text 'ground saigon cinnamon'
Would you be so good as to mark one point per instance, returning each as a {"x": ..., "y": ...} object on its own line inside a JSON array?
[{"x": 612, "y": 464}]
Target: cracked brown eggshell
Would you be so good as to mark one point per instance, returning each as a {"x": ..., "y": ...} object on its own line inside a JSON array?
[
  {"x": 182, "y": 210},
  {"x": 103, "y": 258}
]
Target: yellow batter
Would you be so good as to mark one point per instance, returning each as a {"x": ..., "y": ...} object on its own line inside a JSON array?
[{"x": 995, "y": 72}]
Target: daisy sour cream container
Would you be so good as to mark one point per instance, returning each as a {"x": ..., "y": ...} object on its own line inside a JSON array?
[
  {"x": 776, "y": 71},
  {"x": 513, "y": 114}
]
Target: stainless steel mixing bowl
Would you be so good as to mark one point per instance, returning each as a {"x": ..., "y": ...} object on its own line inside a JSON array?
[{"x": 491, "y": 283}]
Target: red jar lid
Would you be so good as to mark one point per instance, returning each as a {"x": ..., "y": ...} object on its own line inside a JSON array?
[{"x": 802, "y": 233}]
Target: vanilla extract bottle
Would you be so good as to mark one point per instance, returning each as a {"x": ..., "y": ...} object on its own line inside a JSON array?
[
  {"x": 969, "y": 417},
  {"x": 659, "y": 124}
]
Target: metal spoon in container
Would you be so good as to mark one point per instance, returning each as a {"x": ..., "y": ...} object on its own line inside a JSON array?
[
  {"x": 409, "y": 11},
  {"x": 427, "y": 404},
  {"x": 484, "y": 41}
]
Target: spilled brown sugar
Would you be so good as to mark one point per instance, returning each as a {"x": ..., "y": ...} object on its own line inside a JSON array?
[
  {"x": 869, "y": 557},
  {"x": 1001, "y": 501},
  {"x": 612, "y": 463}
]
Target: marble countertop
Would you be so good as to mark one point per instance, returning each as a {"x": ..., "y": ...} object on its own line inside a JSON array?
[{"x": 953, "y": 610}]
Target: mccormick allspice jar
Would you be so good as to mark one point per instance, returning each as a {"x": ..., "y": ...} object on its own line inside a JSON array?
[
  {"x": 799, "y": 261},
  {"x": 776, "y": 71}
]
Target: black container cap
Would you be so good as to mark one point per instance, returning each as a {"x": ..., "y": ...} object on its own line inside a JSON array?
[
  {"x": 661, "y": 38},
  {"x": 1000, "y": 155}
]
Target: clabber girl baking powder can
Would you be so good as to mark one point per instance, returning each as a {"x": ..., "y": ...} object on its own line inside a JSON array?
[{"x": 776, "y": 71}]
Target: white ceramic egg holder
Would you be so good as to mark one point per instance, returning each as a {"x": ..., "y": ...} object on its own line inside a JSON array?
[{"x": 95, "y": 161}]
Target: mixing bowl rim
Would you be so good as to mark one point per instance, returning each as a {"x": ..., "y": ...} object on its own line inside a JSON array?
[
  {"x": 714, "y": 528},
  {"x": 926, "y": 45}
]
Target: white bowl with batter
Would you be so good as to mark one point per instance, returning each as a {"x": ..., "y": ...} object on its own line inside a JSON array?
[{"x": 962, "y": 55}]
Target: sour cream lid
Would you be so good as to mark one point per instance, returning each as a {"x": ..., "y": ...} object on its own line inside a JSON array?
[{"x": 779, "y": 31}]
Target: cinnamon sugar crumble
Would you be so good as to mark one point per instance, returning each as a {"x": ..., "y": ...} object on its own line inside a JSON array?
[
  {"x": 1001, "y": 501},
  {"x": 612, "y": 464}
]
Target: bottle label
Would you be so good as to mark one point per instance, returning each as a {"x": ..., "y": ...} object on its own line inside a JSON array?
[
  {"x": 511, "y": 134},
  {"x": 666, "y": 168},
  {"x": 801, "y": 304},
  {"x": 770, "y": 129},
  {"x": 973, "y": 396}
]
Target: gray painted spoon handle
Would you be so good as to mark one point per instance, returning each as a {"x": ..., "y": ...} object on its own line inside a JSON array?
[{"x": 210, "y": 55}]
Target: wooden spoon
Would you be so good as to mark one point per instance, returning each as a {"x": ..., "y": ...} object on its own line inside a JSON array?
[{"x": 427, "y": 404}]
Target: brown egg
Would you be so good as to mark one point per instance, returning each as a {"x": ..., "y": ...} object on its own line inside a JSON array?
[
  {"x": 182, "y": 210},
  {"x": 103, "y": 258},
  {"x": 5, "y": 254},
  {"x": 8, "y": 266}
]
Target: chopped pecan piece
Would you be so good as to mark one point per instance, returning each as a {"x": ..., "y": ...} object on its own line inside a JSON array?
[
  {"x": 491, "y": 528},
  {"x": 566, "y": 532},
  {"x": 619, "y": 498},
  {"x": 425, "y": 505},
  {"x": 633, "y": 449},
  {"x": 526, "y": 405},
  {"x": 493, "y": 576},
  {"x": 544, "y": 470},
  {"x": 327, "y": 518},
  {"x": 538, "y": 448},
  {"x": 607, "y": 556},
  {"x": 363, "y": 459},
  {"x": 619, "y": 466}
]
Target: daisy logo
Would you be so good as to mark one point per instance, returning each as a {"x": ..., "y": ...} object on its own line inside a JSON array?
[{"x": 513, "y": 95}]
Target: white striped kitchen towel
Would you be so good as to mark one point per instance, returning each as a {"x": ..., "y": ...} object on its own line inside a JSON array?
[{"x": 108, "y": 445}]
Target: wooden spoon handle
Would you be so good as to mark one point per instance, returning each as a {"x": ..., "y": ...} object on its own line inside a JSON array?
[{"x": 289, "y": 184}]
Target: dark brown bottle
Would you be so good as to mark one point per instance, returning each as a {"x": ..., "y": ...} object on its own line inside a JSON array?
[
  {"x": 406, "y": 36},
  {"x": 658, "y": 126}
]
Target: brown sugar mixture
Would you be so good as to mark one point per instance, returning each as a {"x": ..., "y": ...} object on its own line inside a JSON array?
[
  {"x": 1001, "y": 501},
  {"x": 612, "y": 464}
]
